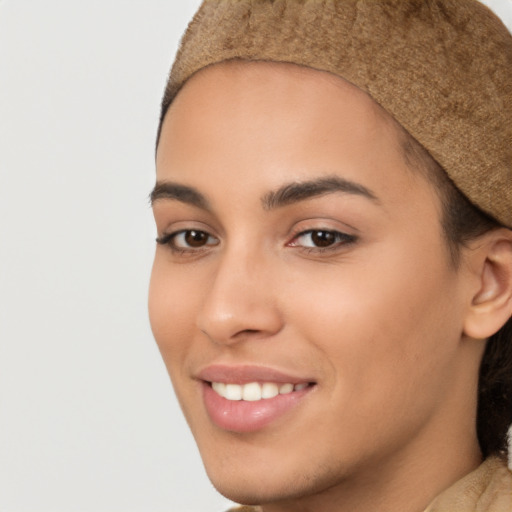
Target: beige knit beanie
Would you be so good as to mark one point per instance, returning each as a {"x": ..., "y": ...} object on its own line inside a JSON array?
[{"x": 441, "y": 68}]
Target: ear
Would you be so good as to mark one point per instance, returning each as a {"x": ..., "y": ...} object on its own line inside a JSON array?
[{"x": 491, "y": 301}]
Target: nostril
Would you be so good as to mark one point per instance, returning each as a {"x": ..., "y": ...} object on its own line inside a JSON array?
[{"x": 229, "y": 315}]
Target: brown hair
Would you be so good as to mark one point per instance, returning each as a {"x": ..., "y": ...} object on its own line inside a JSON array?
[{"x": 462, "y": 222}]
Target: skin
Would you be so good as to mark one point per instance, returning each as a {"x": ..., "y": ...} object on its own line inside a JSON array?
[{"x": 376, "y": 320}]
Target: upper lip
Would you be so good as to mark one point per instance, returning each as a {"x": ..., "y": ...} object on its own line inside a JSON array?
[{"x": 243, "y": 374}]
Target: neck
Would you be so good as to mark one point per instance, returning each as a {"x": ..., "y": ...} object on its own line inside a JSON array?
[{"x": 407, "y": 484}]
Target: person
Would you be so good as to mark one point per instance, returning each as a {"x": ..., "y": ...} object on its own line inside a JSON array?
[{"x": 332, "y": 284}]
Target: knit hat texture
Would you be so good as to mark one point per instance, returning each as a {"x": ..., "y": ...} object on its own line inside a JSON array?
[{"x": 441, "y": 68}]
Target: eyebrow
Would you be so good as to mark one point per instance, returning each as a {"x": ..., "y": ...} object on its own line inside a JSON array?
[
  {"x": 301, "y": 191},
  {"x": 182, "y": 193},
  {"x": 287, "y": 194}
]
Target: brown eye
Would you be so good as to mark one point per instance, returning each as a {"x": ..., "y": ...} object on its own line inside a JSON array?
[
  {"x": 323, "y": 238},
  {"x": 187, "y": 240},
  {"x": 195, "y": 238}
]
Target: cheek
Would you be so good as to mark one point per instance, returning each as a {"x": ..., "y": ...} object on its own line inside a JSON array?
[
  {"x": 171, "y": 307},
  {"x": 386, "y": 324}
]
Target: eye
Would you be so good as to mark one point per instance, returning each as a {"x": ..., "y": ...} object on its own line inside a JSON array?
[
  {"x": 321, "y": 239},
  {"x": 188, "y": 240}
]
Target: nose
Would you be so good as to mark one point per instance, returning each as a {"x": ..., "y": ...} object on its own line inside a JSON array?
[{"x": 241, "y": 302}]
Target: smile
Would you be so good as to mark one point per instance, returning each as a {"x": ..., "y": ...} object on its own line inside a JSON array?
[
  {"x": 246, "y": 399},
  {"x": 254, "y": 391}
]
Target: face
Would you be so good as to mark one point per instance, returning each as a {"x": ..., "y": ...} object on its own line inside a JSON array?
[{"x": 302, "y": 294}]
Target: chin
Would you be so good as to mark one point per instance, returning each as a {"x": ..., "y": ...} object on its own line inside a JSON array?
[
  {"x": 246, "y": 482},
  {"x": 249, "y": 493},
  {"x": 243, "y": 482}
]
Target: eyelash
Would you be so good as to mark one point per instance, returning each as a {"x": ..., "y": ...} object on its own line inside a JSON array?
[
  {"x": 340, "y": 239},
  {"x": 169, "y": 239}
]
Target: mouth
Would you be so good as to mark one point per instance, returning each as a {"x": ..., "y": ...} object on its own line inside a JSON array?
[
  {"x": 248, "y": 399},
  {"x": 256, "y": 391}
]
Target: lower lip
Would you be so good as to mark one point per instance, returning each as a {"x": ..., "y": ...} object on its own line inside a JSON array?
[{"x": 244, "y": 416}]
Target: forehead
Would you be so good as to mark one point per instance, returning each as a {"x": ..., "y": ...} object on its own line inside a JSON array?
[
  {"x": 266, "y": 97},
  {"x": 274, "y": 85},
  {"x": 255, "y": 126}
]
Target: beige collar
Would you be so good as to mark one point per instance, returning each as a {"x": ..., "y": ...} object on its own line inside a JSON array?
[{"x": 487, "y": 489}]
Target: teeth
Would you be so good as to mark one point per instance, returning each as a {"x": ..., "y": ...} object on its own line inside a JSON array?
[
  {"x": 219, "y": 387},
  {"x": 233, "y": 392},
  {"x": 269, "y": 390},
  {"x": 253, "y": 391},
  {"x": 284, "y": 389}
]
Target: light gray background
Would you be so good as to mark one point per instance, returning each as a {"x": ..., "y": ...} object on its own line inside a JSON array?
[{"x": 88, "y": 420}]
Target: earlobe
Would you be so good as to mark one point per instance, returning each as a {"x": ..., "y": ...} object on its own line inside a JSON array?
[{"x": 491, "y": 305}]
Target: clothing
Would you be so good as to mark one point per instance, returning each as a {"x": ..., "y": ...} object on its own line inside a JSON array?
[
  {"x": 487, "y": 489},
  {"x": 244, "y": 508},
  {"x": 441, "y": 68}
]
